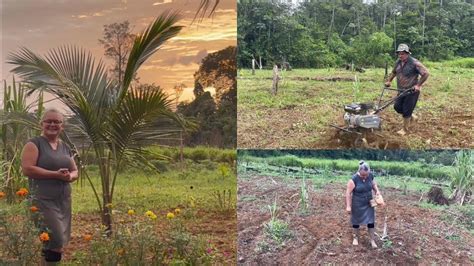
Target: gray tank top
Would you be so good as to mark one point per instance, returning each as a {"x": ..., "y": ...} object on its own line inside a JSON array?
[
  {"x": 362, "y": 189},
  {"x": 52, "y": 160}
]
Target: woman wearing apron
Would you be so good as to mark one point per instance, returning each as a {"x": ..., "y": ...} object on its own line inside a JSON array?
[
  {"x": 50, "y": 167},
  {"x": 358, "y": 197}
]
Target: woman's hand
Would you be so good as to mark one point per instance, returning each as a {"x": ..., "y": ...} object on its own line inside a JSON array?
[
  {"x": 348, "y": 210},
  {"x": 64, "y": 174}
]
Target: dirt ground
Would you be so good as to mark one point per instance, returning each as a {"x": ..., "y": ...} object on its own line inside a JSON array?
[
  {"x": 449, "y": 128},
  {"x": 417, "y": 235},
  {"x": 219, "y": 228}
]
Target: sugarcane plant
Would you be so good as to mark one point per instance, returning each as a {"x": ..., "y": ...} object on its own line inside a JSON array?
[
  {"x": 19, "y": 122},
  {"x": 462, "y": 180},
  {"x": 304, "y": 197}
]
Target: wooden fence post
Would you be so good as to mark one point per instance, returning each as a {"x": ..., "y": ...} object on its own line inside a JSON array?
[{"x": 276, "y": 78}]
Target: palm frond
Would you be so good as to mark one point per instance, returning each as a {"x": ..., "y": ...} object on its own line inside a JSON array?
[
  {"x": 204, "y": 7},
  {"x": 147, "y": 43},
  {"x": 73, "y": 75}
]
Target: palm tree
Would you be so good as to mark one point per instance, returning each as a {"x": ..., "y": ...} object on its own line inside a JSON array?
[{"x": 111, "y": 115}]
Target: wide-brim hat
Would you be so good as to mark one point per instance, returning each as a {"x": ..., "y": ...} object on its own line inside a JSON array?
[{"x": 403, "y": 48}]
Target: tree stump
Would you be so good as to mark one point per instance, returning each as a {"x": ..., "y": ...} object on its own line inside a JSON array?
[
  {"x": 276, "y": 79},
  {"x": 435, "y": 196}
]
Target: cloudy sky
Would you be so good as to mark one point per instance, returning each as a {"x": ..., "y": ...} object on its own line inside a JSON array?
[{"x": 44, "y": 24}]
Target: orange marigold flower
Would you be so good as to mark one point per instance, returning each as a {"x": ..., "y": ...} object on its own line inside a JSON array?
[
  {"x": 2, "y": 194},
  {"x": 34, "y": 209},
  {"x": 22, "y": 192},
  {"x": 44, "y": 237},
  {"x": 87, "y": 237},
  {"x": 120, "y": 252}
]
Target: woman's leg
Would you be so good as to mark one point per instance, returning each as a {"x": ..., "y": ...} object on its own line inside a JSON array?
[
  {"x": 371, "y": 228},
  {"x": 355, "y": 240}
]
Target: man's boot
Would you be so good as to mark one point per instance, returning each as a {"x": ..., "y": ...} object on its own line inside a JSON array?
[
  {"x": 372, "y": 237},
  {"x": 355, "y": 236},
  {"x": 406, "y": 125}
]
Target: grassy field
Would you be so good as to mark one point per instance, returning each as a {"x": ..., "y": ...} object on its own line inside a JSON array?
[
  {"x": 308, "y": 101},
  {"x": 206, "y": 218}
]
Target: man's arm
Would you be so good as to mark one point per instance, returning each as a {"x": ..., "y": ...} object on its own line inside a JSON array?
[
  {"x": 423, "y": 73},
  {"x": 392, "y": 75}
]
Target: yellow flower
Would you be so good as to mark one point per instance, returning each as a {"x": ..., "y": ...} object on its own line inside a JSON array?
[
  {"x": 131, "y": 212},
  {"x": 44, "y": 237},
  {"x": 177, "y": 210},
  {"x": 149, "y": 213},
  {"x": 170, "y": 215},
  {"x": 153, "y": 217}
]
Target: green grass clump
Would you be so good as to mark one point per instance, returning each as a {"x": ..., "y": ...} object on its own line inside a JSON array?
[{"x": 276, "y": 229}]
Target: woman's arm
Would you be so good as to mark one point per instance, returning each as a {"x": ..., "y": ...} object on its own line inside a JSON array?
[
  {"x": 375, "y": 188},
  {"x": 29, "y": 168},
  {"x": 74, "y": 173},
  {"x": 350, "y": 188}
]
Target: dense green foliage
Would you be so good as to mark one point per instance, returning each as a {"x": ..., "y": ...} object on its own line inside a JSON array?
[
  {"x": 324, "y": 33},
  {"x": 216, "y": 116}
]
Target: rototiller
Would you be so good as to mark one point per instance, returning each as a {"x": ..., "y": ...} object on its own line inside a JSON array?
[{"x": 361, "y": 118}]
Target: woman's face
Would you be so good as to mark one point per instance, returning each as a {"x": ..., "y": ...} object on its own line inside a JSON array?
[
  {"x": 52, "y": 124},
  {"x": 363, "y": 174}
]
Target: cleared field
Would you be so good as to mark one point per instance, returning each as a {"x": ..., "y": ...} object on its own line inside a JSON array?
[{"x": 309, "y": 100}]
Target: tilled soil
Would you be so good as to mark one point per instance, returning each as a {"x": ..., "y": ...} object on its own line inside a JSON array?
[
  {"x": 324, "y": 235},
  {"x": 291, "y": 127}
]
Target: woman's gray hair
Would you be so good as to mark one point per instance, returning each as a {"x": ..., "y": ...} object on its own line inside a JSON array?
[
  {"x": 51, "y": 110},
  {"x": 363, "y": 166}
]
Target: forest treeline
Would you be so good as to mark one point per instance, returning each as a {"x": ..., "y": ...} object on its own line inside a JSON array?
[
  {"x": 326, "y": 33},
  {"x": 444, "y": 157}
]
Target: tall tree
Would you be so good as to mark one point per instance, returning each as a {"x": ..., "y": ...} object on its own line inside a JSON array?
[{"x": 117, "y": 42}]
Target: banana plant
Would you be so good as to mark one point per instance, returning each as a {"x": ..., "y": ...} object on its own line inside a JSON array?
[{"x": 112, "y": 116}]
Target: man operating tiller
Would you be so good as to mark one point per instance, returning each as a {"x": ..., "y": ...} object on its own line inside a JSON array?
[{"x": 407, "y": 69}]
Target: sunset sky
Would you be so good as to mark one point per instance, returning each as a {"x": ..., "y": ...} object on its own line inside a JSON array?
[{"x": 44, "y": 24}]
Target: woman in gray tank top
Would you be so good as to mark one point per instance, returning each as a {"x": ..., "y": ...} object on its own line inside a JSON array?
[
  {"x": 50, "y": 167},
  {"x": 358, "y": 196}
]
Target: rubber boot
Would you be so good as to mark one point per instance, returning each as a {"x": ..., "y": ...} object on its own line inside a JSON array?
[
  {"x": 355, "y": 236},
  {"x": 406, "y": 125},
  {"x": 413, "y": 119},
  {"x": 372, "y": 237}
]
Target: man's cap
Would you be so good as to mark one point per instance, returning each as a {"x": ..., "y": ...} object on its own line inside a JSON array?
[{"x": 403, "y": 48}]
